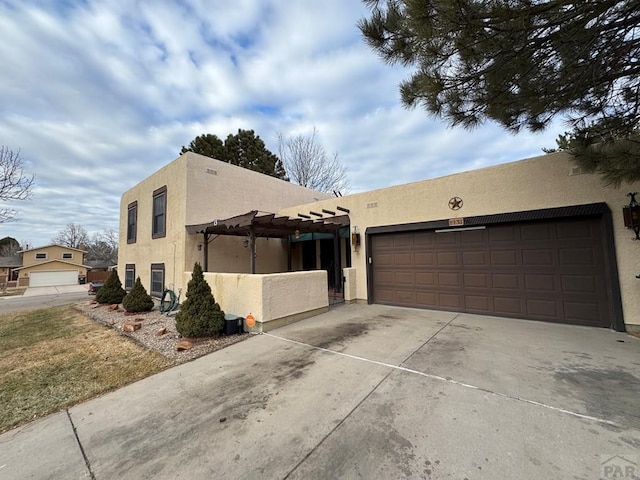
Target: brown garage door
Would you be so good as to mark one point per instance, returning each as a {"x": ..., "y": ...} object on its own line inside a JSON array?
[{"x": 550, "y": 270}]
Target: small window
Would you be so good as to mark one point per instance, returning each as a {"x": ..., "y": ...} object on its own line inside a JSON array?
[
  {"x": 159, "y": 228},
  {"x": 157, "y": 279},
  {"x": 41, "y": 256},
  {"x": 129, "y": 276},
  {"x": 132, "y": 222},
  {"x": 67, "y": 255}
]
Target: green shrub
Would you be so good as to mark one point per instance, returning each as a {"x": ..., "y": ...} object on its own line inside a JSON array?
[
  {"x": 199, "y": 315},
  {"x": 112, "y": 291},
  {"x": 137, "y": 300}
]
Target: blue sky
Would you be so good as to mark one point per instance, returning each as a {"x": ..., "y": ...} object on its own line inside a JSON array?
[{"x": 97, "y": 95}]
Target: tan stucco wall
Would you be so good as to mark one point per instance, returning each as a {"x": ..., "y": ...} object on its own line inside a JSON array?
[
  {"x": 227, "y": 254},
  {"x": 54, "y": 252},
  {"x": 233, "y": 190},
  {"x": 541, "y": 182},
  {"x": 269, "y": 298},
  {"x": 199, "y": 190},
  {"x": 146, "y": 250},
  {"x": 219, "y": 190},
  {"x": 350, "y": 290}
]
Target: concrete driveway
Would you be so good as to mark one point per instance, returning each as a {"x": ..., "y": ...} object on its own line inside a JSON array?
[
  {"x": 54, "y": 290},
  {"x": 362, "y": 392}
]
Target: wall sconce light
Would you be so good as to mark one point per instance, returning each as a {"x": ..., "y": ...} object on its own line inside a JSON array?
[
  {"x": 355, "y": 237},
  {"x": 199, "y": 247},
  {"x": 245, "y": 243},
  {"x": 631, "y": 215},
  {"x": 297, "y": 234}
]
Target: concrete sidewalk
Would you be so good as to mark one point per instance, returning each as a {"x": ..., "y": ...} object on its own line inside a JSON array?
[
  {"x": 54, "y": 290},
  {"x": 361, "y": 392}
]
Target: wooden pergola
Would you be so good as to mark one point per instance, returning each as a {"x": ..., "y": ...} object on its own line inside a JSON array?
[{"x": 255, "y": 224}]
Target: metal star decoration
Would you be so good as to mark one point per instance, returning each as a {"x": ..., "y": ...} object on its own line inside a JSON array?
[{"x": 455, "y": 203}]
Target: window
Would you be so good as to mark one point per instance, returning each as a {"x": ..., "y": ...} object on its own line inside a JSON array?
[
  {"x": 129, "y": 276},
  {"x": 159, "y": 213},
  {"x": 41, "y": 256},
  {"x": 157, "y": 279},
  {"x": 67, "y": 255},
  {"x": 132, "y": 222}
]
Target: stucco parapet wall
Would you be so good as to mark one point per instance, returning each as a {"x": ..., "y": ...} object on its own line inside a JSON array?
[{"x": 278, "y": 298}]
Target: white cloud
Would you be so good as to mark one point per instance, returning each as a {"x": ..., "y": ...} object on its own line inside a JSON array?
[{"x": 101, "y": 93}]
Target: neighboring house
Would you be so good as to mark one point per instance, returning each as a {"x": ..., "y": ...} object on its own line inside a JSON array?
[
  {"x": 8, "y": 272},
  {"x": 534, "y": 239},
  {"x": 154, "y": 243},
  {"x": 51, "y": 265}
]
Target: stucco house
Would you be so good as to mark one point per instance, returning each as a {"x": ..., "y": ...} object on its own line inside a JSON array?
[
  {"x": 154, "y": 243},
  {"x": 534, "y": 239},
  {"x": 51, "y": 265}
]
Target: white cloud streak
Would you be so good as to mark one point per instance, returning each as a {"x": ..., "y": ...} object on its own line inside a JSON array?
[{"x": 99, "y": 94}]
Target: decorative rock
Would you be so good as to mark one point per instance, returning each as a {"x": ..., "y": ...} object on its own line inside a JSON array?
[
  {"x": 161, "y": 332},
  {"x": 131, "y": 326},
  {"x": 113, "y": 307},
  {"x": 96, "y": 305},
  {"x": 223, "y": 419},
  {"x": 183, "y": 345}
]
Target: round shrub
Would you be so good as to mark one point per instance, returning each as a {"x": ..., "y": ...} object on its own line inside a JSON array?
[
  {"x": 137, "y": 300},
  {"x": 199, "y": 315},
  {"x": 112, "y": 291}
]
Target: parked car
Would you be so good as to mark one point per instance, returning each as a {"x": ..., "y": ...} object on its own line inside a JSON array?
[{"x": 94, "y": 287}]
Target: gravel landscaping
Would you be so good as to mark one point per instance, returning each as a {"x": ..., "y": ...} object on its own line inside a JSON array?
[{"x": 149, "y": 334}]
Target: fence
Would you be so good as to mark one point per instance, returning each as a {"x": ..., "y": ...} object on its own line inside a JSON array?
[{"x": 97, "y": 276}]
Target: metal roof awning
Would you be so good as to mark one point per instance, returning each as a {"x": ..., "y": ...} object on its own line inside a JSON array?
[{"x": 269, "y": 225}]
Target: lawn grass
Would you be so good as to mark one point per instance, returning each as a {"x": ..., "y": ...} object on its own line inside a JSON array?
[{"x": 55, "y": 357}]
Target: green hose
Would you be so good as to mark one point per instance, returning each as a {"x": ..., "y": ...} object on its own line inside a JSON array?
[{"x": 168, "y": 304}]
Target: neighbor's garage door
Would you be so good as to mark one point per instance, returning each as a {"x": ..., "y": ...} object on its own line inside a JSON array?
[
  {"x": 47, "y": 279},
  {"x": 550, "y": 270}
]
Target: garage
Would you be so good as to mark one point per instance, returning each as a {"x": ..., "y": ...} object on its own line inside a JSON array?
[
  {"x": 51, "y": 278},
  {"x": 513, "y": 265}
]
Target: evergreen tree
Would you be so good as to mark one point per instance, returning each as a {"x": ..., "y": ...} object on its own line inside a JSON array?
[
  {"x": 137, "y": 300},
  {"x": 112, "y": 291},
  {"x": 208, "y": 145},
  {"x": 245, "y": 149},
  {"x": 199, "y": 315},
  {"x": 615, "y": 159},
  {"x": 522, "y": 63}
]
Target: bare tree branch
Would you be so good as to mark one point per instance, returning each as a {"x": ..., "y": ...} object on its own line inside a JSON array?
[
  {"x": 103, "y": 247},
  {"x": 15, "y": 184},
  {"x": 308, "y": 164},
  {"x": 73, "y": 236}
]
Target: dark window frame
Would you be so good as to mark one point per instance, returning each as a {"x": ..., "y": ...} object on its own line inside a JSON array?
[
  {"x": 156, "y": 267},
  {"x": 160, "y": 192},
  {"x": 132, "y": 227},
  {"x": 129, "y": 267},
  {"x": 41, "y": 256},
  {"x": 67, "y": 255}
]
